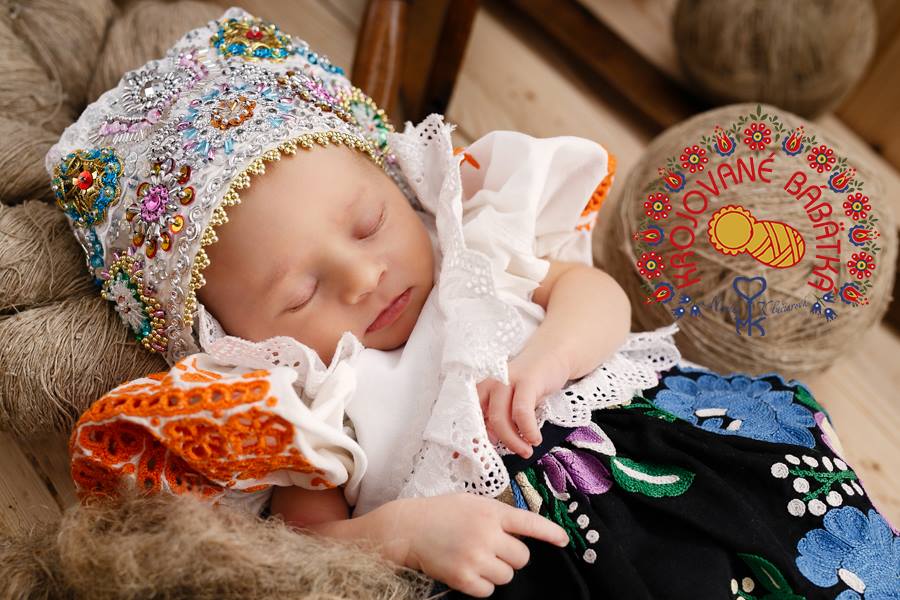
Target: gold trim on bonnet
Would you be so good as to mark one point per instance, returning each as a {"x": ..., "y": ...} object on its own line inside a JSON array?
[{"x": 242, "y": 181}]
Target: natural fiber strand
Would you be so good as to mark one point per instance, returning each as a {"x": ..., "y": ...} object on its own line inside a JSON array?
[{"x": 180, "y": 547}]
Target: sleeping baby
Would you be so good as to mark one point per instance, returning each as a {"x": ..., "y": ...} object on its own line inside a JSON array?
[{"x": 371, "y": 334}]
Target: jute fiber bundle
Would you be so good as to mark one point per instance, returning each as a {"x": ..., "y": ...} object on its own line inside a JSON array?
[
  {"x": 170, "y": 547},
  {"x": 62, "y": 345}
]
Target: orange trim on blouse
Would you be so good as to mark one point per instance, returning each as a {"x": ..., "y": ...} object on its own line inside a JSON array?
[
  {"x": 202, "y": 436},
  {"x": 598, "y": 197}
]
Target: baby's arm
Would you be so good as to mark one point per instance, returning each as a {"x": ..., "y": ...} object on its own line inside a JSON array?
[
  {"x": 588, "y": 317},
  {"x": 469, "y": 542},
  {"x": 326, "y": 512}
]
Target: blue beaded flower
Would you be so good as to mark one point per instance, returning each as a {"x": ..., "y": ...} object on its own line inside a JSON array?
[{"x": 228, "y": 113}]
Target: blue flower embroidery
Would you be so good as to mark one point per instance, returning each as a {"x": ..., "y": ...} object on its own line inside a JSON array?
[
  {"x": 858, "y": 550},
  {"x": 738, "y": 406}
]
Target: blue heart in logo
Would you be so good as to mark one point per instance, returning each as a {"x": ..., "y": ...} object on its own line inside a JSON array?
[{"x": 749, "y": 281}]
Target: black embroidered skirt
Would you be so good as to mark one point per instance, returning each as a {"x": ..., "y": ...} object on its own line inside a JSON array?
[{"x": 705, "y": 486}]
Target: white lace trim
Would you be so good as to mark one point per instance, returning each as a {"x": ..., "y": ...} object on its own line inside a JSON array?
[
  {"x": 634, "y": 367},
  {"x": 483, "y": 331},
  {"x": 273, "y": 352}
]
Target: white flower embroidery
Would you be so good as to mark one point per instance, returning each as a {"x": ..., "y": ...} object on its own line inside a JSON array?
[{"x": 129, "y": 307}]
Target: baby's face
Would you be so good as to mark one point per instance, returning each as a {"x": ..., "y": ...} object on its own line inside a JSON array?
[{"x": 320, "y": 244}]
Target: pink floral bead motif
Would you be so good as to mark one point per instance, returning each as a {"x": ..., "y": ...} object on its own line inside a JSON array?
[
  {"x": 821, "y": 159},
  {"x": 154, "y": 213},
  {"x": 857, "y": 206},
  {"x": 861, "y": 265},
  {"x": 757, "y": 136},
  {"x": 693, "y": 158}
]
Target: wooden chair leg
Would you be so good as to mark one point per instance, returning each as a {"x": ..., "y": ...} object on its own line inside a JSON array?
[
  {"x": 438, "y": 31},
  {"x": 379, "y": 52}
]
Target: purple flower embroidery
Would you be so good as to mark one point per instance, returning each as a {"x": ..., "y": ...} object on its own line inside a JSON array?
[{"x": 582, "y": 470}]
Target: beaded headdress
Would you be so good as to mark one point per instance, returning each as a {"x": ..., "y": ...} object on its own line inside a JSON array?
[{"x": 146, "y": 172}]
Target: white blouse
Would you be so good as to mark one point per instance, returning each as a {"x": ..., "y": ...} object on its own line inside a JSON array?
[{"x": 408, "y": 422}]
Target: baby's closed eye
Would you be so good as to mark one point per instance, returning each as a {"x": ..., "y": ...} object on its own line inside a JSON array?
[{"x": 305, "y": 298}]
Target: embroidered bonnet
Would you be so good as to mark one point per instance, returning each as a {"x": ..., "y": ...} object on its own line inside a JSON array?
[{"x": 147, "y": 171}]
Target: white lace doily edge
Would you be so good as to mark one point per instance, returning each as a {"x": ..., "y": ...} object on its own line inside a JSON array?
[
  {"x": 658, "y": 343},
  {"x": 616, "y": 381}
]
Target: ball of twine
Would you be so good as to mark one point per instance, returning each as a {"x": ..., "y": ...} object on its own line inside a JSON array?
[
  {"x": 802, "y": 55},
  {"x": 63, "y": 345},
  {"x": 795, "y": 344}
]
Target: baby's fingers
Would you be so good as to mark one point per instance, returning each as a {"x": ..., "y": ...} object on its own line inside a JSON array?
[
  {"x": 524, "y": 399},
  {"x": 518, "y": 521},
  {"x": 501, "y": 421}
]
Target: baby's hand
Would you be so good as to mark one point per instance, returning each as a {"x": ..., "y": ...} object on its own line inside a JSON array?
[
  {"x": 470, "y": 542},
  {"x": 509, "y": 409}
]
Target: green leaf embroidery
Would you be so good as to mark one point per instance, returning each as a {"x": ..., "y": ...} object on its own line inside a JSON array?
[
  {"x": 651, "y": 410},
  {"x": 803, "y": 396},
  {"x": 770, "y": 578},
  {"x": 649, "y": 479}
]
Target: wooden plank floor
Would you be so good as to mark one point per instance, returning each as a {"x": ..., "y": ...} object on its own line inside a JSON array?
[{"x": 513, "y": 78}]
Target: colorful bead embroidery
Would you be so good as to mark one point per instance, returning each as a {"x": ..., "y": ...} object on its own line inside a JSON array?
[
  {"x": 186, "y": 128},
  {"x": 251, "y": 39},
  {"x": 153, "y": 214},
  {"x": 310, "y": 89},
  {"x": 368, "y": 116},
  {"x": 124, "y": 285},
  {"x": 86, "y": 184},
  {"x": 229, "y": 112},
  {"x": 147, "y": 93},
  {"x": 316, "y": 60},
  {"x": 90, "y": 242}
]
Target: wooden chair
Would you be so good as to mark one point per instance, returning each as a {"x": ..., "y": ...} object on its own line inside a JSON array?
[{"x": 408, "y": 54}]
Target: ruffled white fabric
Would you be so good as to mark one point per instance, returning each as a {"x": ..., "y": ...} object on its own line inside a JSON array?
[{"x": 525, "y": 194}]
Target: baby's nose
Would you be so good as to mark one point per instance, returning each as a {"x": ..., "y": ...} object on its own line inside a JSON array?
[{"x": 362, "y": 278}]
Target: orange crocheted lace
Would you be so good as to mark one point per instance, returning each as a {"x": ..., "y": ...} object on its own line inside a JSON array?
[
  {"x": 163, "y": 437},
  {"x": 598, "y": 197}
]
